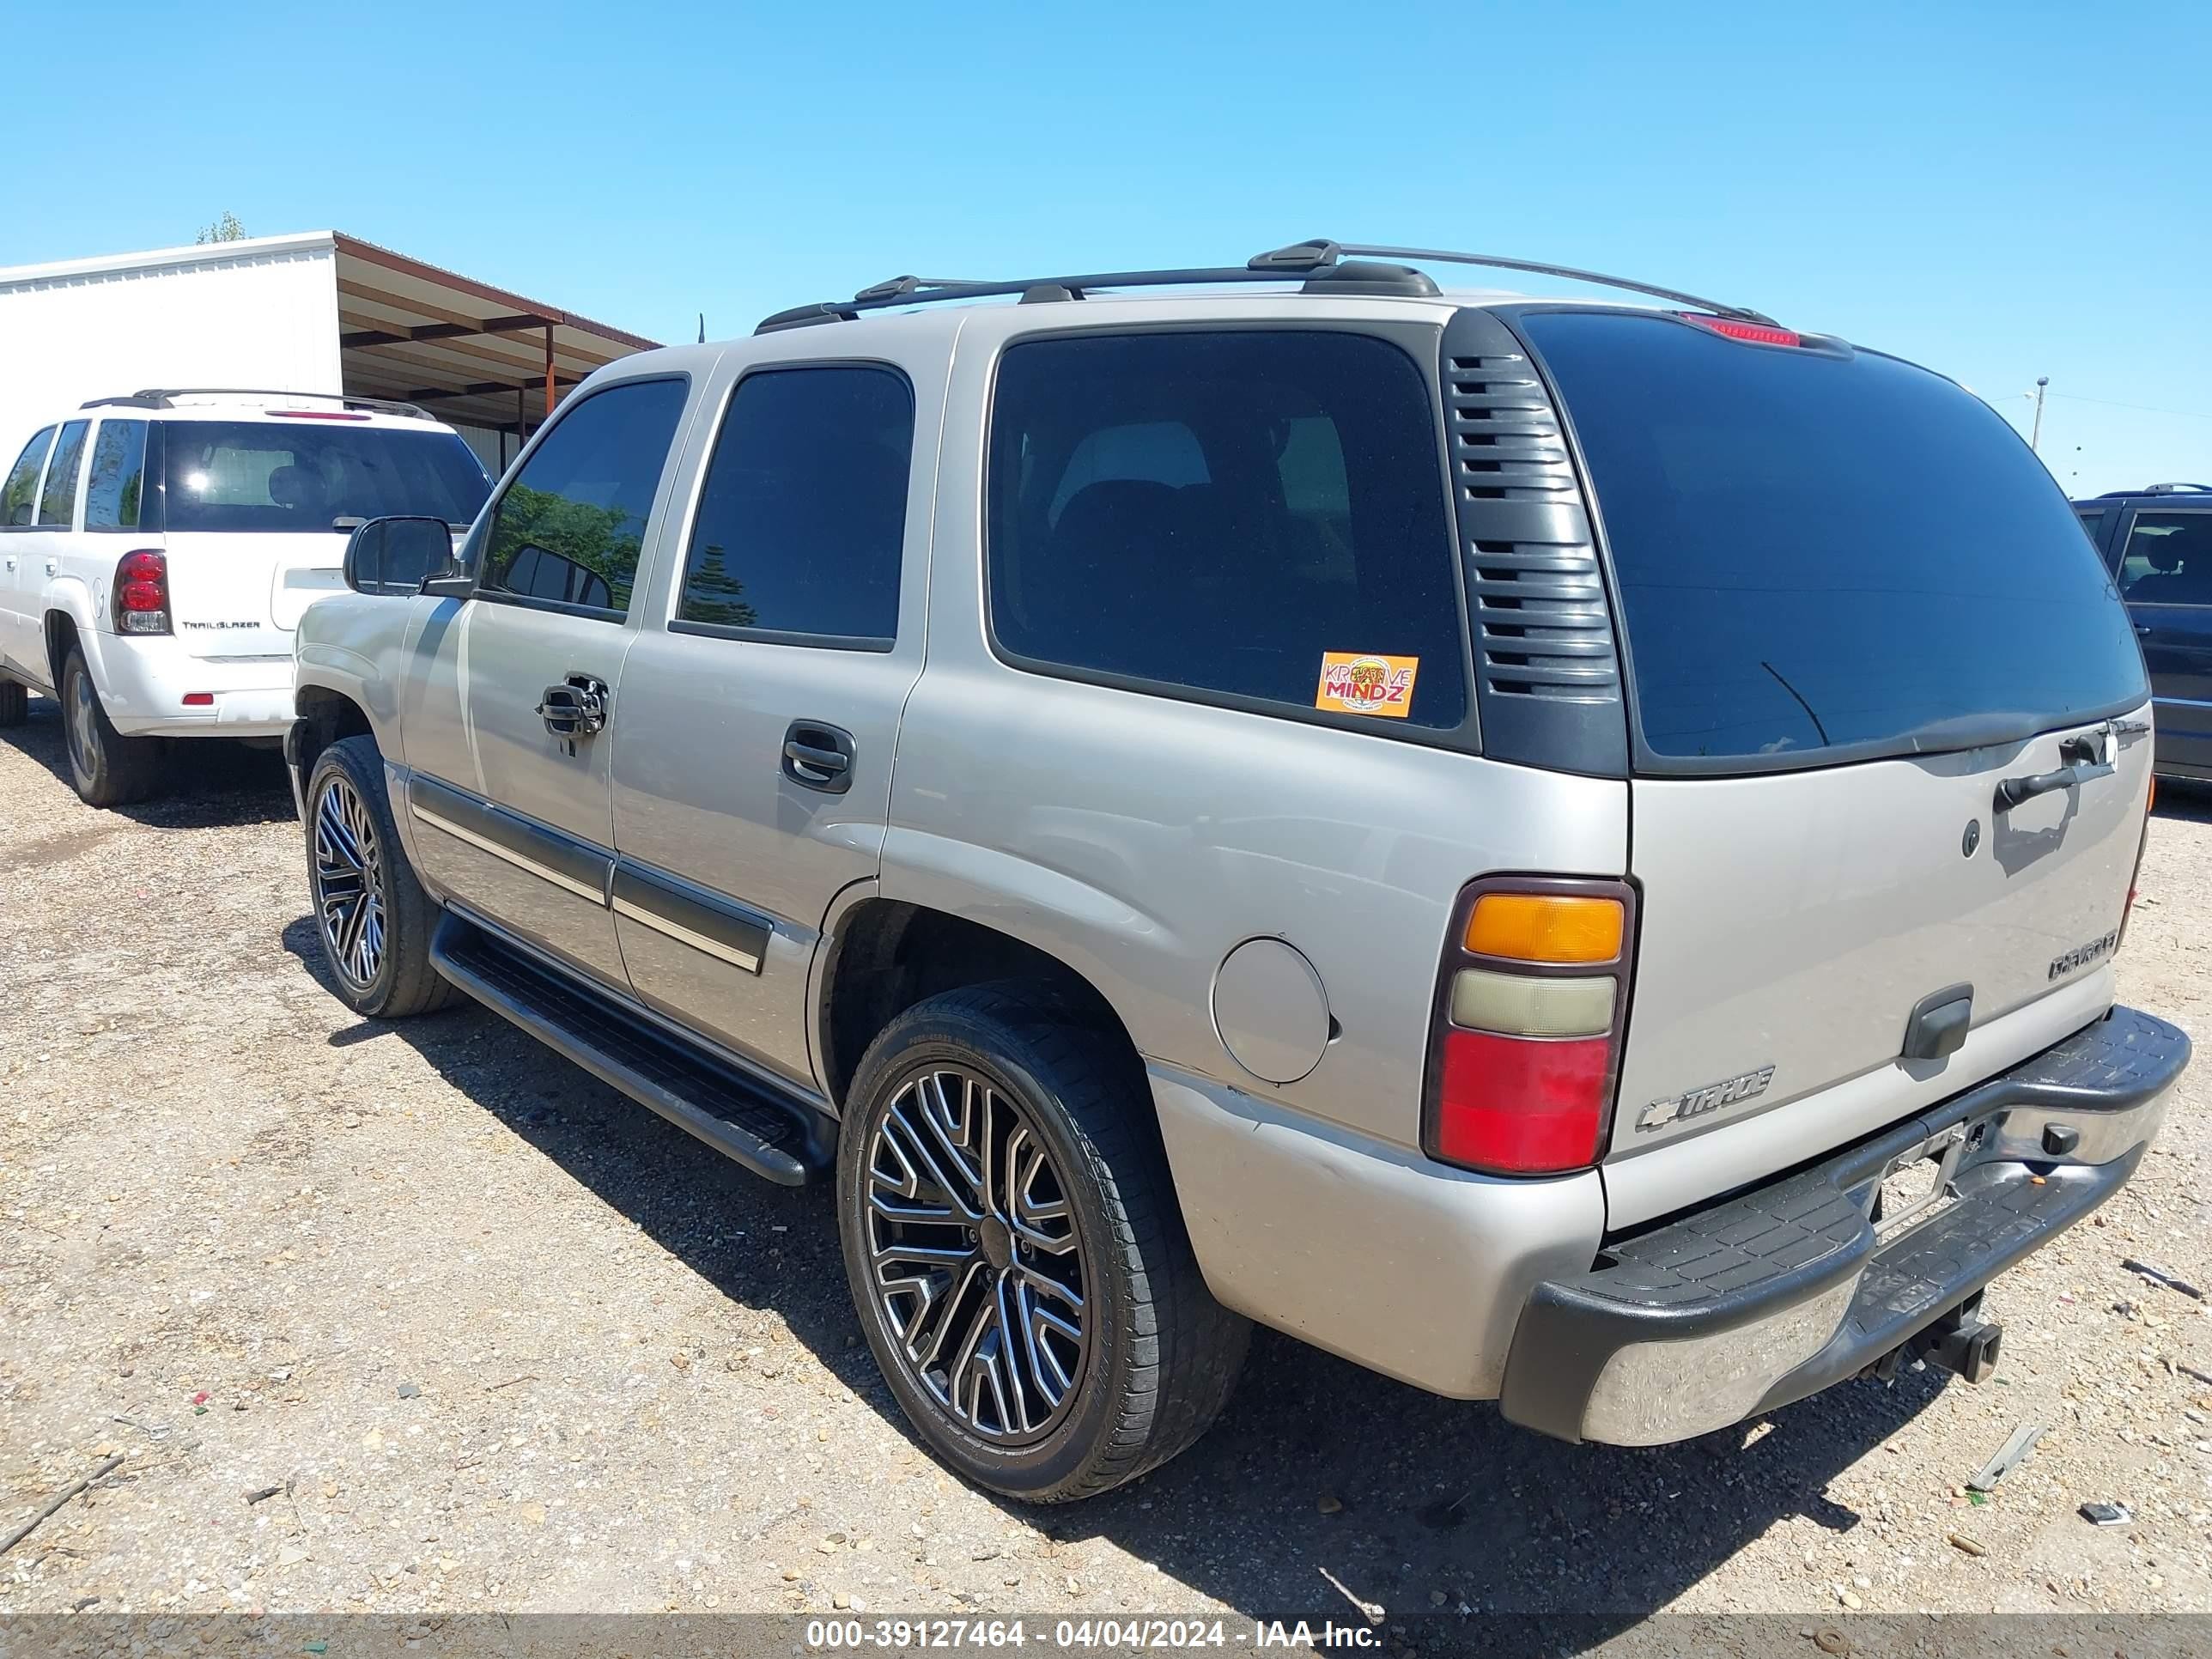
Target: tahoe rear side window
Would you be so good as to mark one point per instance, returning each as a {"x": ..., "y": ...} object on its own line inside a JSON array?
[
  {"x": 235, "y": 476},
  {"x": 1259, "y": 516},
  {"x": 803, "y": 515},
  {"x": 1825, "y": 555}
]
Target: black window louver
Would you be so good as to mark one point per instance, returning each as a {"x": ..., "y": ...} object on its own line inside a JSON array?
[{"x": 1547, "y": 672}]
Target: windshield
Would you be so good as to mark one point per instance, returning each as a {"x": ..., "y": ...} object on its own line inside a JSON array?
[
  {"x": 1825, "y": 554},
  {"x": 303, "y": 475}
]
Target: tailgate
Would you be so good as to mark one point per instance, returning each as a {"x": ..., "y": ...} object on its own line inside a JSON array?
[
  {"x": 1792, "y": 923},
  {"x": 1858, "y": 617},
  {"x": 240, "y": 595}
]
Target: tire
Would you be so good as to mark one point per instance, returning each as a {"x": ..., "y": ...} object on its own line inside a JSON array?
[
  {"x": 1156, "y": 1357},
  {"x": 372, "y": 916},
  {"x": 15, "y": 703},
  {"x": 106, "y": 767}
]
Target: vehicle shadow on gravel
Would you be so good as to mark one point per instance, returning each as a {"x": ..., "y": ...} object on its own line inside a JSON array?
[
  {"x": 2183, "y": 799},
  {"x": 1320, "y": 1474},
  {"x": 210, "y": 782}
]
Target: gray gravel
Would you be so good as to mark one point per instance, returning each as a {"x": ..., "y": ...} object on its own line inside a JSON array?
[{"x": 497, "y": 1338}]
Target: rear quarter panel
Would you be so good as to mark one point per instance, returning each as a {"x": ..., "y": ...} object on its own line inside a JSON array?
[{"x": 1140, "y": 838}]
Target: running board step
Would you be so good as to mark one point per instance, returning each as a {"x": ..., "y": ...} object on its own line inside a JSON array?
[{"x": 786, "y": 1141}]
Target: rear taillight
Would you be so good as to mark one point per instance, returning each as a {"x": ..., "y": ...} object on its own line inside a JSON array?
[
  {"x": 142, "y": 592},
  {"x": 1525, "y": 1045}
]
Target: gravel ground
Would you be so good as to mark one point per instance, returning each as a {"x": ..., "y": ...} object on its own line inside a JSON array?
[{"x": 420, "y": 1320}]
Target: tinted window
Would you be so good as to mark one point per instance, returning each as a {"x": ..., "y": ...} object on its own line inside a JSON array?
[
  {"x": 803, "y": 513},
  {"x": 1820, "y": 552},
  {"x": 570, "y": 528},
  {"x": 118, "y": 470},
  {"x": 1257, "y": 514},
  {"x": 2169, "y": 559},
  {"x": 304, "y": 475},
  {"x": 16, "y": 497},
  {"x": 57, "y": 500},
  {"x": 2093, "y": 521}
]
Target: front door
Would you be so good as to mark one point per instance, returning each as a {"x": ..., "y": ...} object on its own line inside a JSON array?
[
  {"x": 19, "y": 506},
  {"x": 2165, "y": 578},
  {"x": 761, "y": 704},
  {"x": 521, "y": 712}
]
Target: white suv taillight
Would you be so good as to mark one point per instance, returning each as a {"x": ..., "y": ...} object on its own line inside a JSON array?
[
  {"x": 1531, "y": 1004},
  {"x": 142, "y": 592}
]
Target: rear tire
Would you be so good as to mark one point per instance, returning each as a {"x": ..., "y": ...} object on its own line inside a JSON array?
[
  {"x": 1020, "y": 1386},
  {"x": 372, "y": 916},
  {"x": 106, "y": 767},
  {"x": 15, "y": 703}
]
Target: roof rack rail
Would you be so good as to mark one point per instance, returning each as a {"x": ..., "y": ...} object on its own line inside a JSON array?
[
  {"x": 2177, "y": 489},
  {"x": 1323, "y": 265},
  {"x": 166, "y": 398}
]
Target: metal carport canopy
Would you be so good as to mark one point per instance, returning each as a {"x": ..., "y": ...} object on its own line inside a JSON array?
[{"x": 470, "y": 353}]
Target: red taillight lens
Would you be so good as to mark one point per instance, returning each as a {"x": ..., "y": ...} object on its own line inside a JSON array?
[
  {"x": 1756, "y": 333},
  {"x": 1531, "y": 999},
  {"x": 142, "y": 592},
  {"x": 1523, "y": 1105}
]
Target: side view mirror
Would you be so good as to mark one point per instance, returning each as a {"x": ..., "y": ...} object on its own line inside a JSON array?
[{"x": 401, "y": 556}]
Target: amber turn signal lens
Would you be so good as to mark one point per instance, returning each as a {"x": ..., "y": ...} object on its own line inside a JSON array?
[{"x": 1552, "y": 927}]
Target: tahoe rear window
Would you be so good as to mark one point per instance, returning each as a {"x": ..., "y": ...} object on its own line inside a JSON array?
[
  {"x": 1825, "y": 555},
  {"x": 283, "y": 476}
]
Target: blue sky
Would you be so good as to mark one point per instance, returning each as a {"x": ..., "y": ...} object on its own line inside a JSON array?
[{"x": 1998, "y": 191}]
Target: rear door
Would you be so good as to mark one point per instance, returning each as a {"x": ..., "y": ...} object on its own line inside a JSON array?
[
  {"x": 2166, "y": 580},
  {"x": 752, "y": 771},
  {"x": 1856, "y": 611},
  {"x": 257, "y": 513},
  {"x": 510, "y": 787}
]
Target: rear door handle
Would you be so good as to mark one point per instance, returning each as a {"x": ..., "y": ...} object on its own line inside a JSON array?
[
  {"x": 818, "y": 756},
  {"x": 2143, "y": 628}
]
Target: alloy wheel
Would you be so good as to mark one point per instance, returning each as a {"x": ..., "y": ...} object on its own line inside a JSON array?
[
  {"x": 974, "y": 1258},
  {"x": 83, "y": 722},
  {"x": 349, "y": 884}
]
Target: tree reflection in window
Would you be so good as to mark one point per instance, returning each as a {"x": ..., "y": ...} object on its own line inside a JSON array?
[{"x": 570, "y": 528}]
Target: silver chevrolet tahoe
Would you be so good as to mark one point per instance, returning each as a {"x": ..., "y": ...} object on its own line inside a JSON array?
[{"x": 1569, "y": 852}]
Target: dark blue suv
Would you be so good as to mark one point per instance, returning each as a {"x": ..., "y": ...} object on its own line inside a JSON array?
[{"x": 2157, "y": 541}]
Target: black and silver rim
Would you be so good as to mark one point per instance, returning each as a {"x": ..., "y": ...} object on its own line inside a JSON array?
[
  {"x": 977, "y": 1268},
  {"x": 349, "y": 884},
  {"x": 82, "y": 721}
]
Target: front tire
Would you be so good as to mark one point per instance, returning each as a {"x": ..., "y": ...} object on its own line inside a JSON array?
[
  {"x": 374, "y": 918},
  {"x": 106, "y": 767},
  {"x": 1015, "y": 1250}
]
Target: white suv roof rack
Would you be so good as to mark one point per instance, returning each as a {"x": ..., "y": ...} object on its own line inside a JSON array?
[{"x": 172, "y": 396}]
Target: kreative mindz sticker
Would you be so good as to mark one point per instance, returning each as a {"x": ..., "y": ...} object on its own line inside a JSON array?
[{"x": 1355, "y": 683}]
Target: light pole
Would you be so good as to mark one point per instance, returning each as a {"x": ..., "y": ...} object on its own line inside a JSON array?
[{"x": 2035, "y": 435}]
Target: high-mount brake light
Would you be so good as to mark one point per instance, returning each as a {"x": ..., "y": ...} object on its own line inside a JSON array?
[
  {"x": 317, "y": 415},
  {"x": 1524, "y": 1045},
  {"x": 142, "y": 592},
  {"x": 1756, "y": 333}
]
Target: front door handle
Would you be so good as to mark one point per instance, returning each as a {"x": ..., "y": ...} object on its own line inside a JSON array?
[
  {"x": 577, "y": 708},
  {"x": 819, "y": 756},
  {"x": 2143, "y": 628}
]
